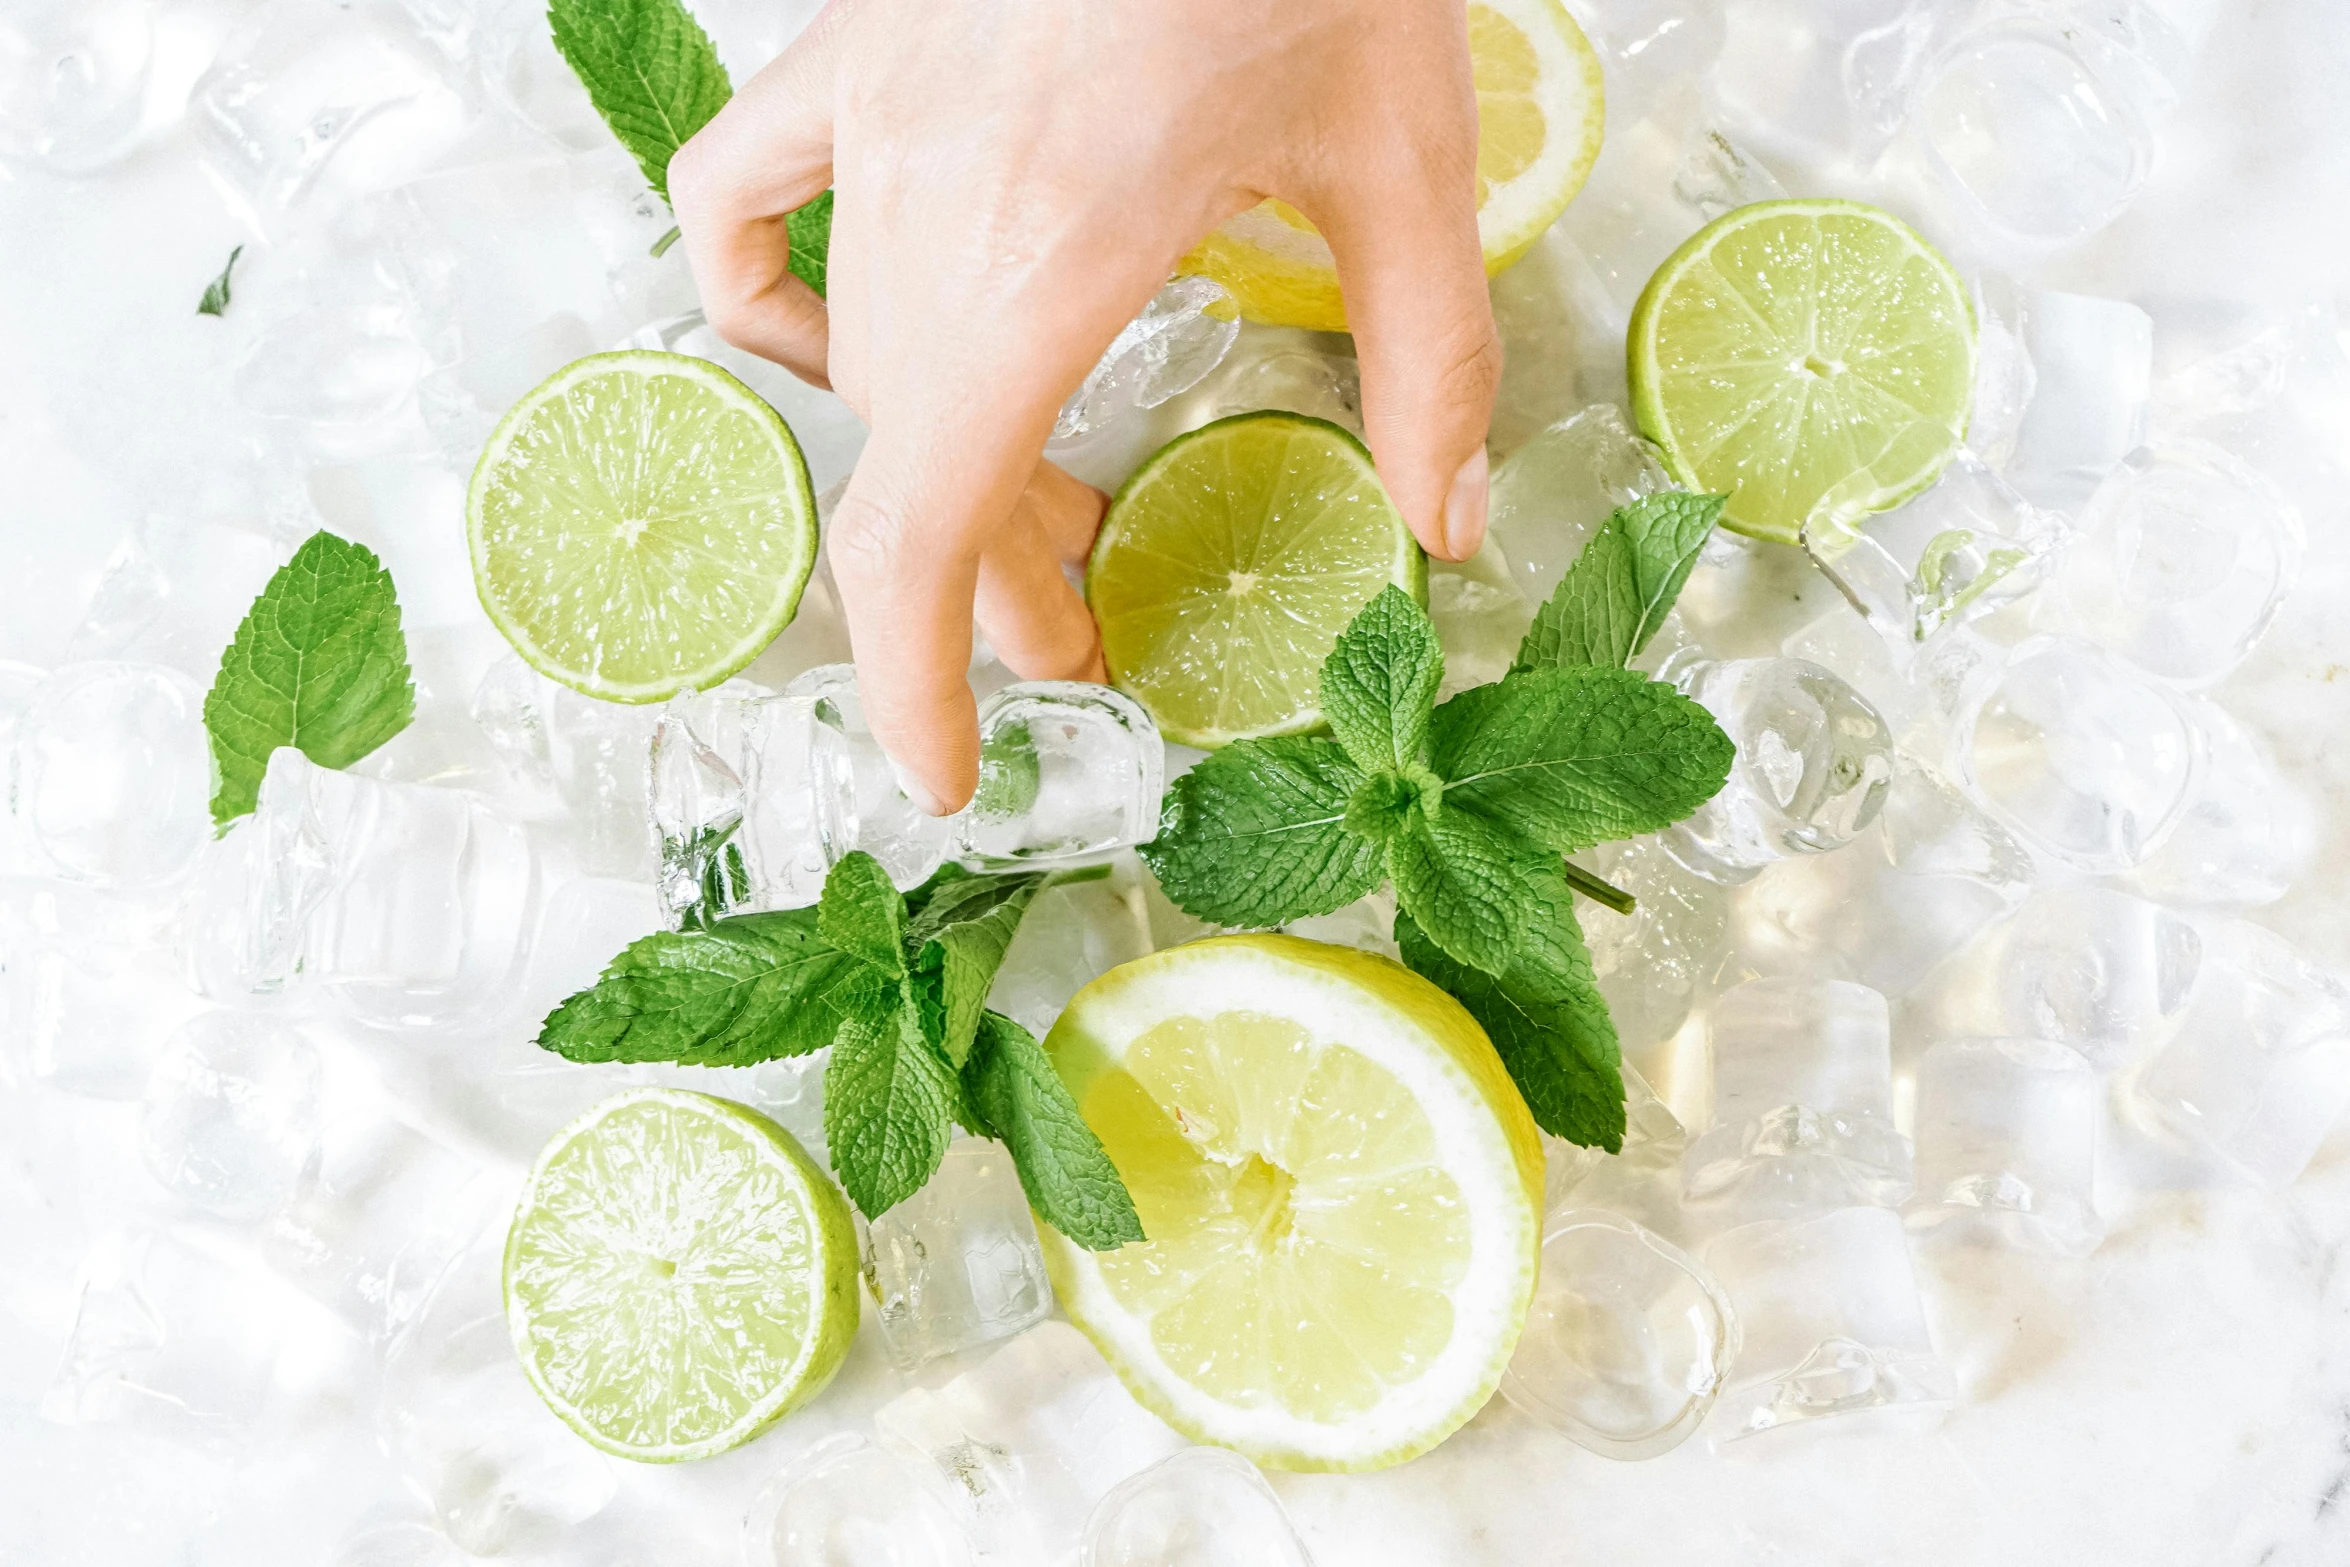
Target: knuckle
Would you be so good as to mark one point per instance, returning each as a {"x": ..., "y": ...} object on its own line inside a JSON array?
[{"x": 868, "y": 542}]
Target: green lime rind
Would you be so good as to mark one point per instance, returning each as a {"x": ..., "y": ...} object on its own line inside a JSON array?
[
  {"x": 1230, "y": 562},
  {"x": 679, "y": 1275},
  {"x": 641, "y": 524},
  {"x": 1845, "y": 388}
]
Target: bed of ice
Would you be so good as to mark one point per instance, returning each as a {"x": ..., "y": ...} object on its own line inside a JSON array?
[{"x": 1990, "y": 1036}]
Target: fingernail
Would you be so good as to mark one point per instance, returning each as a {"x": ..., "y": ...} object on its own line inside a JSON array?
[
  {"x": 913, "y": 789},
  {"x": 1464, "y": 507}
]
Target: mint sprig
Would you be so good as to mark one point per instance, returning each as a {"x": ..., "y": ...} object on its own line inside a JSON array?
[
  {"x": 655, "y": 77},
  {"x": 1469, "y": 806},
  {"x": 897, "y": 985},
  {"x": 319, "y": 663}
]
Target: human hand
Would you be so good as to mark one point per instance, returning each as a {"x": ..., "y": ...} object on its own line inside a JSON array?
[{"x": 1013, "y": 180}]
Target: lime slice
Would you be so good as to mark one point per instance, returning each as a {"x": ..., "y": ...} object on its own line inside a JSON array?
[
  {"x": 1539, "y": 111},
  {"x": 679, "y": 1275},
  {"x": 1799, "y": 351},
  {"x": 641, "y": 523},
  {"x": 1228, "y": 566},
  {"x": 1341, "y": 1188}
]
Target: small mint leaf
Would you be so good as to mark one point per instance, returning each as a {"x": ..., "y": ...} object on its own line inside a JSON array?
[
  {"x": 1066, "y": 1173},
  {"x": 1619, "y": 590},
  {"x": 216, "y": 293},
  {"x": 1256, "y": 835},
  {"x": 809, "y": 229},
  {"x": 1469, "y": 883},
  {"x": 862, "y": 914},
  {"x": 888, "y": 1098},
  {"x": 1385, "y": 805},
  {"x": 959, "y": 938},
  {"x": 1380, "y": 681},
  {"x": 649, "y": 69}
]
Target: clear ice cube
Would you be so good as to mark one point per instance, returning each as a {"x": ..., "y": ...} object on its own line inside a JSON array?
[
  {"x": 1181, "y": 335},
  {"x": 2184, "y": 556},
  {"x": 2258, "y": 1069},
  {"x": 1078, "y": 931},
  {"x": 2092, "y": 369},
  {"x": 1481, "y": 615},
  {"x": 847, "y": 1503},
  {"x": 1823, "y": 83},
  {"x": 2007, "y": 1144},
  {"x": 1291, "y": 371},
  {"x": 1066, "y": 770},
  {"x": 1200, "y": 1507},
  {"x": 174, "y": 592},
  {"x": 110, "y": 774},
  {"x": 584, "y": 757},
  {"x": 1655, "y": 963},
  {"x": 1627, "y": 1341},
  {"x": 957, "y": 1263},
  {"x": 530, "y": 80},
  {"x": 1552, "y": 494},
  {"x": 2083, "y": 757},
  {"x": 2249, "y": 833},
  {"x": 1802, "y": 1102},
  {"x": 1813, "y": 765},
  {"x": 88, "y": 993},
  {"x": 1830, "y": 1325},
  {"x": 231, "y": 1121},
  {"x": 74, "y": 81}
]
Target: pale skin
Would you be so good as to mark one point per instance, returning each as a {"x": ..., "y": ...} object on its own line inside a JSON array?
[{"x": 1014, "y": 180}]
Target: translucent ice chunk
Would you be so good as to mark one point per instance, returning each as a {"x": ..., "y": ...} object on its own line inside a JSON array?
[
  {"x": 531, "y": 81},
  {"x": 1627, "y": 1341},
  {"x": 2258, "y": 1070},
  {"x": 231, "y": 1120},
  {"x": 1066, "y": 770},
  {"x": 1164, "y": 351},
  {"x": 2004, "y": 377},
  {"x": 1802, "y": 1101},
  {"x": 1480, "y": 615},
  {"x": 697, "y": 802},
  {"x": 2185, "y": 554},
  {"x": 174, "y": 592},
  {"x": 1641, "y": 1181},
  {"x": 2249, "y": 831},
  {"x": 2082, "y": 756},
  {"x": 86, "y": 1008},
  {"x": 1282, "y": 370},
  {"x": 1553, "y": 493},
  {"x": 2092, "y": 367},
  {"x": 1820, "y": 82},
  {"x": 303, "y": 106},
  {"x": 957, "y": 1263},
  {"x": 409, "y": 904},
  {"x": 2007, "y": 1144},
  {"x": 1076, "y": 932},
  {"x": 1653, "y": 964},
  {"x": 585, "y": 757},
  {"x": 847, "y": 1503},
  {"x": 1830, "y": 1324},
  {"x": 110, "y": 773},
  {"x": 1814, "y": 761},
  {"x": 1648, "y": 47},
  {"x": 73, "y": 81},
  {"x": 1200, "y": 1507}
]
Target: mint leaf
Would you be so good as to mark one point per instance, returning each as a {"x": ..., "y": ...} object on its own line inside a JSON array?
[
  {"x": 319, "y": 663},
  {"x": 745, "y": 989},
  {"x": 863, "y": 915},
  {"x": 809, "y": 229},
  {"x": 1380, "y": 681},
  {"x": 1255, "y": 834},
  {"x": 649, "y": 69},
  {"x": 887, "y": 1097},
  {"x": 1620, "y": 588},
  {"x": 1574, "y": 757},
  {"x": 1067, "y": 1175},
  {"x": 959, "y": 937},
  {"x": 216, "y": 293},
  {"x": 1548, "y": 1023},
  {"x": 1469, "y": 884}
]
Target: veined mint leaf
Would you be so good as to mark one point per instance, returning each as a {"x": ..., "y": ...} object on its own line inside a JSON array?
[
  {"x": 959, "y": 937},
  {"x": 216, "y": 293},
  {"x": 1380, "y": 680},
  {"x": 810, "y": 232},
  {"x": 1255, "y": 835},
  {"x": 1548, "y": 1023},
  {"x": 1469, "y": 884},
  {"x": 1063, "y": 1168},
  {"x": 649, "y": 69},
  {"x": 1574, "y": 757},
  {"x": 863, "y": 915},
  {"x": 319, "y": 663},
  {"x": 745, "y": 989},
  {"x": 1620, "y": 588},
  {"x": 887, "y": 1097}
]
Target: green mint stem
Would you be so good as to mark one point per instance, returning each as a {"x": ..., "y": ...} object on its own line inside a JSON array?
[
  {"x": 1599, "y": 891},
  {"x": 661, "y": 245}
]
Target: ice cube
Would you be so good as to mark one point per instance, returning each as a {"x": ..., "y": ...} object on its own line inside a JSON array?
[
  {"x": 2092, "y": 367},
  {"x": 410, "y": 905},
  {"x": 583, "y": 757},
  {"x": 110, "y": 773},
  {"x": 1813, "y": 765},
  {"x": 1641, "y": 1182},
  {"x": 73, "y": 82},
  {"x": 1025, "y": 1445},
  {"x": 1278, "y": 368},
  {"x": 1481, "y": 616},
  {"x": 2185, "y": 554},
  {"x": 1647, "y": 48},
  {"x": 1552, "y": 494},
  {"x": 2083, "y": 757},
  {"x": 1823, "y": 83},
  {"x": 174, "y": 592},
  {"x": 2099, "y": 971},
  {"x": 528, "y": 78},
  {"x": 2249, "y": 831},
  {"x": 1562, "y": 341},
  {"x": 304, "y": 106},
  {"x": 2007, "y": 1144},
  {"x": 1066, "y": 770},
  {"x": 957, "y": 1263},
  {"x": 231, "y": 1121},
  {"x": 1200, "y": 1507},
  {"x": 1656, "y": 962},
  {"x": 2258, "y": 1070},
  {"x": 1181, "y": 335},
  {"x": 1367, "y": 925},
  {"x": 1830, "y": 1324},
  {"x": 697, "y": 801},
  {"x": 847, "y": 1503},
  {"x": 1802, "y": 1102},
  {"x": 1076, "y": 932},
  {"x": 2004, "y": 377},
  {"x": 1627, "y": 1341},
  {"x": 87, "y": 1002},
  {"x": 463, "y": 1426}
]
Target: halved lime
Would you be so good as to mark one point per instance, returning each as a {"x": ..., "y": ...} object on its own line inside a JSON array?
[
  {"x": 679, "y": 1275},
  {"x": 1228, "y": 566},
  {"x": 1341, "y": 1188},
  {"x": 1795, "y": 352},
  {"x": 641, "y": 523}
]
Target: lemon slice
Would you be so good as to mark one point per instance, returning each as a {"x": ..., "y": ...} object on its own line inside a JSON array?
[
  {"x": 679, "y": 1275},
  {"x": 1795, "y": 352},
  {"x": 1341, "y": 1189},
  {"x": 1539, "y": 112}
]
